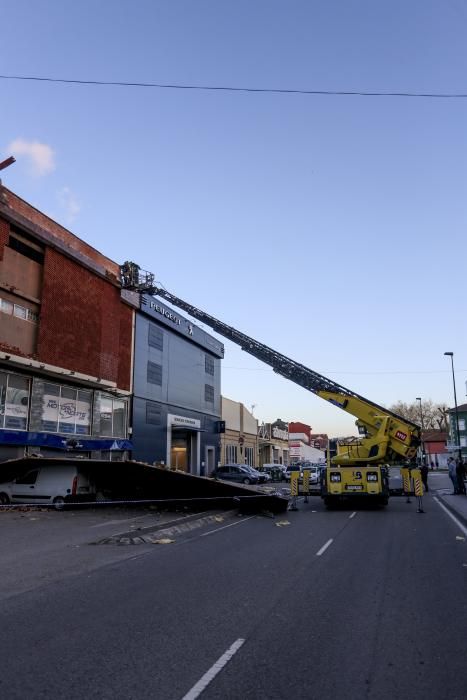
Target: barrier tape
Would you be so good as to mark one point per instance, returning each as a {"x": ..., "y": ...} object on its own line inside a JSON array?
[{"x": 147, "y": 501}]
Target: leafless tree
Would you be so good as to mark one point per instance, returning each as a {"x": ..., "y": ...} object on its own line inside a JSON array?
[{"x": 435, "y": 416}]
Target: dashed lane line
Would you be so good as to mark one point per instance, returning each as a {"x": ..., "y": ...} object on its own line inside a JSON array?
[
  {"x": 352, "y": 515},
  {"x": 324, "y": 547},
  {"x": 216, "y": 668}
]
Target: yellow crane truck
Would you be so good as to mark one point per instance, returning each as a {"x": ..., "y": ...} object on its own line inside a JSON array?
[{"x": 360, "y": 469}]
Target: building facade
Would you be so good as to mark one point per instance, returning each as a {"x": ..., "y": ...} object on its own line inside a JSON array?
[
  {"x": 239, "y": 442},
  {"x": 456, "y": 440},
  {"x": 303, "y": 447},
  {"x": 65, "y": 341},
  {"x": 273, "y": 443},
  {"x": 177, "y": 401}
]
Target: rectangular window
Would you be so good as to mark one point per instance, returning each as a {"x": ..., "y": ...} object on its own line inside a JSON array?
[
  {"x": 6, "y": 306},
  {"x": 33, "y": 316},
  {"x": 463, "y": 442},
  {"x": 66, "y": 410},
  {"x": 153, "y": 414},
  {"x": 209, "y": 364},
  {"x": 155, "y": 337},
  {"x": 20, "y": 311},
  {"x": 250, "y": 456},
  {"x": 461, "y": 423},
  {"x": 231, "y": 454},
  {"x": 112, "y": 414},
  {"x": 14, "y": 401},
  {"x": 154, "y": 373},
  {"x": 208, "y": 393}
]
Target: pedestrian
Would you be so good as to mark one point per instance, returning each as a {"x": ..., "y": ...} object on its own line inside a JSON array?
[
  {"x": 453, "y": 475},
  {"x": 424, "y": 473},
  {"x": 432, "y": 465},
  {"x": 460, "y": 473}
]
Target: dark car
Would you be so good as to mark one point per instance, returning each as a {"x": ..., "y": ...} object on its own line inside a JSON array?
[{"x": 240, "y": 473}]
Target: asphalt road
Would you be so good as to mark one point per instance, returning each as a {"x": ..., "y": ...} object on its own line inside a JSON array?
[{"x": 379, "y": 613}]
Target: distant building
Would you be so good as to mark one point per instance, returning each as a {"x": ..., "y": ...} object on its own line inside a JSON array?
[
  {"x": 434, "y": 443},
  {"x": 301, "y": 444},
  {"x": 273, "y": 443},
  {"x": 239, "y": 442},
  {"x": 453, "y": 441}
]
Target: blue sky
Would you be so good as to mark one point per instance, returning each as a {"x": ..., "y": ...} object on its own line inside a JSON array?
[{"x": 330, "y": 228}]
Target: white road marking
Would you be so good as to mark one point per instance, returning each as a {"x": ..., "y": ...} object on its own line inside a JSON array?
[
  {"x": 218, "y": 529},
  {"x": 352, "y": 515},
  {"x": 213, "y": 671},
  {"x": 123, "y": 520},
  {"x": 324, "y": 547},
  {"x": 461, "y": 527}
]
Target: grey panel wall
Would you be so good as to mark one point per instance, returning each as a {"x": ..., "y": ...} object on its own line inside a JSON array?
[{"x": 184, "y": 375}]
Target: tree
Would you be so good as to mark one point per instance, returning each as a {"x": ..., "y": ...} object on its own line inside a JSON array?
[{"x": 435, "y": 416}]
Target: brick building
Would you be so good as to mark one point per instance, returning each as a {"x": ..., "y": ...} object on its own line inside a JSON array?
[{"x": 66, "y": 340}]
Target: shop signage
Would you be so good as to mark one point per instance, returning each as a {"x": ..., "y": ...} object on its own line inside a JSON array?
[
  {"x": 280, "y": 434},
  {"x": 184, "y": 421},
  {"x": 164, "y": 312}
]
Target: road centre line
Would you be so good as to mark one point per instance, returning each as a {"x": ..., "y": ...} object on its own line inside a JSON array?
[
  {"x": 352, "y": 515},
  {"x": 209, "y": 676},
  {"x": 461, "y": 527},
  {"x": 324, "y": 547},
  {"x": 218, "y": 529}
]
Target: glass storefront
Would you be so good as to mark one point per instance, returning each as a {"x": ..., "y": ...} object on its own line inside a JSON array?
[{"x": 14, "y": 401}]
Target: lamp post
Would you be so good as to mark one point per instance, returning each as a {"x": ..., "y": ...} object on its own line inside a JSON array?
[
  {"x": 423, "y": 428},
  {"x": 451, "y": 355}
]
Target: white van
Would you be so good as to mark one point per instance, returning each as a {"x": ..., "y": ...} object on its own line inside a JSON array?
[{"x": 54, "y": 484}]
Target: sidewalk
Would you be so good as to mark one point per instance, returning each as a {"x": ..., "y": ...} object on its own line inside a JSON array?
[{"x": 442, "y": 488}]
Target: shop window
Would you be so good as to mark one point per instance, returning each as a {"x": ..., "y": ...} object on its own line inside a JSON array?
[
  {"x": 112, "y": 417},
  {"x": 155, "y": 337},
  {"x": 14, "y": 401},
  {"x": 208, "y": 393},
  {"x": 250, "y": 456},
  {"x": 231, "y": 454},
  {"x": 154, "y": 374},
  {"x": 66, "y": 410},
  {"x": 209, "y": 364}
]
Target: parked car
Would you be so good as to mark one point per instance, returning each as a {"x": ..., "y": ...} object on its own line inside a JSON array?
[
  {"x": 240, "y": 473},
  {"x": 263, "y": 477},
  {"x": 54, "y": 484},
  {"x": 275, "y": 471}
]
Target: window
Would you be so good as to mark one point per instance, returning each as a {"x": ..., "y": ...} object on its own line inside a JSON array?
[
  {"x": 6, "y": 306},
  {"x": 208, "y": 393},
  {"x": 20, "y": 311},
  {"x": 14, "y": 401},
  {"x": 153, "y": 414},
  {"x": 155, "y": 337},
  {"x": 209, "y": 364},
  {"x": 28, "y": 478},
  {"x": 112, "y": 417},
  {"x": 27, "y": 250},
  {"x": 250, "y": 456},
  {"x": 231, "y": 453},
  {"x": 463, "y": 442},
  {"x": 66, "y": 410},
  {"x": 461, "y": 423},
  {"x": 154, "y": 373}
]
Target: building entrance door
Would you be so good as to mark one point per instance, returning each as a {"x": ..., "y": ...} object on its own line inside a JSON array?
[{"x": 180, "y": 451}]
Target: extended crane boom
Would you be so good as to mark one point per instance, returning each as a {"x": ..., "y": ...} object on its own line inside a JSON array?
[{"x": 386, "y": 436}]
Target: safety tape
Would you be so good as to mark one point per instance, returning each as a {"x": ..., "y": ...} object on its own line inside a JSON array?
[{"x": 146, "y": 501}]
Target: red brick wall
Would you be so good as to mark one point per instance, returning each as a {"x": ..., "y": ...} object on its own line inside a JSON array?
[
  {"x": 4, "y": 235},
  {"x": 298, "y": 427},
  {"x": 84, "y": 325},
  {"x": 37, "y": 217}
]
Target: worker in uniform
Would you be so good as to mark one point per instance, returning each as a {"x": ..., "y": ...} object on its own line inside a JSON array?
[{"x": 424, "y": 475}]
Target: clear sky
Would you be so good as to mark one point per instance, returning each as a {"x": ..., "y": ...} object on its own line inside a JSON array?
[{"x": 331, "y": 228}]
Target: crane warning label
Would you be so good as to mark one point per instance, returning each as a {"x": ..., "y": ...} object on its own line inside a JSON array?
[{"x": 401, "y": 436}]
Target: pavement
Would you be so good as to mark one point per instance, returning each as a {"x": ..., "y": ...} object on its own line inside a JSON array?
[{"x": 440, "y": 483}]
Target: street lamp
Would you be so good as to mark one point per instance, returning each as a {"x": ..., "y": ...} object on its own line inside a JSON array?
[
  {"x": 451, "y": 355},
  {"x": 422, "y": 460}
]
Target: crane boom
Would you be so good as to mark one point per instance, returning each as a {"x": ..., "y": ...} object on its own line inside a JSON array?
[{"x": 386, "y": 436}]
